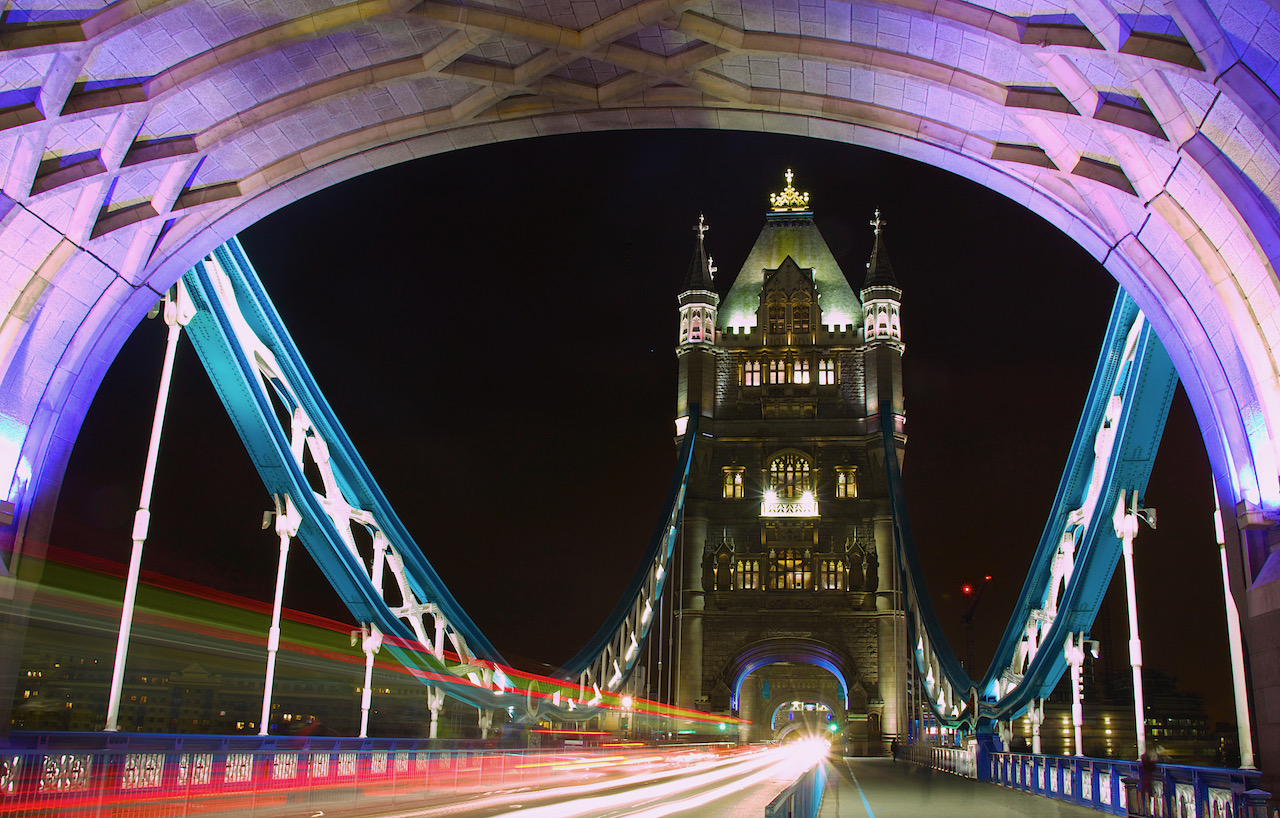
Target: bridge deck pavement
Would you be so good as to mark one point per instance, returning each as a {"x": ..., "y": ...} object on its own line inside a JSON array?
[{"x": 882, "y": 788}]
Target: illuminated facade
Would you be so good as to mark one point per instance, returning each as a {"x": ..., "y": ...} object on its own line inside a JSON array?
[{"x": 788, "y": 594}]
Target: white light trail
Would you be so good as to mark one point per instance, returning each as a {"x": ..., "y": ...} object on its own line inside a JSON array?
[{"x": 732, "y": 776}]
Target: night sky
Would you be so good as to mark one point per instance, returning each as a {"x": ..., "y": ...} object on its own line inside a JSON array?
[{"x": 496, "y": 328}]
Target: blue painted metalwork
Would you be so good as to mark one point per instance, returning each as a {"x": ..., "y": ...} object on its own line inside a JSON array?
[
  {"x": 649, "y": 581},
  {"x": 1112, "y": 452},
  {"x": 1099, "y": 784},
  {"x": 243, "y": 343}
]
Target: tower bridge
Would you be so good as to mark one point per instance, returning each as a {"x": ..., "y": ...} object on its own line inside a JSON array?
[
  {"x": 808, "y": 607},
  {"x": 136, "y": 137}
]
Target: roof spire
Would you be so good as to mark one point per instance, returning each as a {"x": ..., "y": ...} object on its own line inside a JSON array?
[
  {"x": 700, "y": 276},
  {"x": 879, "y": 268}
]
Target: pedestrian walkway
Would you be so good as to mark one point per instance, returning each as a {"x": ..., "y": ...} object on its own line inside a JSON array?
[{"x": 883, "y": 788}]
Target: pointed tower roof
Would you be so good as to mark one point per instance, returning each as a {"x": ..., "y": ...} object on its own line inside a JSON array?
[
  {"x": 700, "y": 275},
  {"x": 789, "y": 231},
  {"x": 879, "y": 268}
]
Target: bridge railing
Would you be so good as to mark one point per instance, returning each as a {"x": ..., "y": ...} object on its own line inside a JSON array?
[
  {"x": 961, "y": 761},
  {"x": 78, "y": 775},
  {"x": 1177, "y": 790},
  {"x": 803, "y": 799}
]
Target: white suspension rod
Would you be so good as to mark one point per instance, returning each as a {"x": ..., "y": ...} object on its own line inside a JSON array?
[
  {"x": 1238, "y": 678},
  {"x": 287, "y": 522},
  {"x": 178, "y": 311}
]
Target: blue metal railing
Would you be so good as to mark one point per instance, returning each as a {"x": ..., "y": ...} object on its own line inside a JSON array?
[
  {"x": 803, "y": 799},
  {"x": 1099, "y": 783}
]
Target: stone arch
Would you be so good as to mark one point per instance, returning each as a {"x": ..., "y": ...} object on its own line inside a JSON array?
[
  {"x": 797, "y": 649},
  {"x": 780, "y": 733},
  {"x": 126, "y": 164}
]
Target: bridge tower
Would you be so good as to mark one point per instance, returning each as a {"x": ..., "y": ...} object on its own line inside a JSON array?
[{"x": 788, "y": 613}]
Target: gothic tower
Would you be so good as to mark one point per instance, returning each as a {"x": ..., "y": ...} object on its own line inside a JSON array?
[{"x": 788, "y": 613}]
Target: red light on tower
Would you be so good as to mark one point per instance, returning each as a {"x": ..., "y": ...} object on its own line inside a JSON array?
[{"x": 968, "y": 589}]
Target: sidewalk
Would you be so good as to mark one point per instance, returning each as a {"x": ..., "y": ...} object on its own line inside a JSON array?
[{"x": 882, "y": 788}]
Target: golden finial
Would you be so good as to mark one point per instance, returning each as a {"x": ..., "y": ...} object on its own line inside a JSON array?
[
  {"x": 789, "y": 199},
  {"x": 701, "y": 227}
]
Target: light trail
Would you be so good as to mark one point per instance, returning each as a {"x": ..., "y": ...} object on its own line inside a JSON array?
[{"x": 650, "y": 793}]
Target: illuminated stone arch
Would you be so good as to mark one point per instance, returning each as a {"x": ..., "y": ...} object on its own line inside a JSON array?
[
  {"x": 136, "y": 136},
  {"x": 788, "y": 649},
  {"x": 780, "y": 732}
]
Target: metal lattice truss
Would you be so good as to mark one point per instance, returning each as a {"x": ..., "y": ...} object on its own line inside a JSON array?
[
  {"x": 322, "y": 493},
  {"x": 1111, "y": 460},
  {"x": 1038, "y": 626},
  {"x": 325, "y": 496}
]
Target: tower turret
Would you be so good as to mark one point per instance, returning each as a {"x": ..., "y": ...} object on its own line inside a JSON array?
[
  {"x": 882, "y": 329},
  {"x": 696, "y": 348}
]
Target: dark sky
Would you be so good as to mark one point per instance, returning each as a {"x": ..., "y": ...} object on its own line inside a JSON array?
[{"x": 496, "y": 328}]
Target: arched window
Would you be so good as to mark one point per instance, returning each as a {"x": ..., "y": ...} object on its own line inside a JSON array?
[
  {"x": 695, "y": 334},
  {"x": 801, "y": 314},
  {"x": 789, "y": 476},
  {"x": 777, "y": 313},
  {"x": 751, "y": 373},
  {"x": 747, "y": 577},
  {"x": 826, "y": 372},
  {"x": 846, "y": 482},
  {"x": 777, "y": 372},
  {"x": 733, "y": 482},
  {"x": 800, "y": 374},
  {"x": 789, "y": 570},
  {"x": 833, "y": 575}
]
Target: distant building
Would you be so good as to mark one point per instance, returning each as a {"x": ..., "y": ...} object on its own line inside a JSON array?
[
  {"x": 788, "y": 601},
  {"x": 1176, "y": 723},
  {"x": 213, "y": 689}
]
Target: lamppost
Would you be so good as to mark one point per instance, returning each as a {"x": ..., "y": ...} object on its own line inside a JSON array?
[
  {"x": 1237, "y": 646},
  {"x": 1074, "y": 650},
  {"x": 1126, "y": 526},
  {"x": 178, "y": 311}
]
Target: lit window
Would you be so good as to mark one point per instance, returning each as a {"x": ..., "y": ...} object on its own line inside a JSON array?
[
  {"x": 751, "y": 373},
  {"x": 826, "y": 372},
  {"x": 801, "y": 372},
  {"x": 789, "y": 476},
  {"x": 800, "y": 315},
  {"x": 777, "y": 372},
  {"x": 777, "y": 318},
  {"x": 789, "y": 570},
  {"x": 748, "y": 575},
  {"x": 833, "y": 575},
  {"x": 846, "y": 482},
  {"x": 733, "y": 486}
]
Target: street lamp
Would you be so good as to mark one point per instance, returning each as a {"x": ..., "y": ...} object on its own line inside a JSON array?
[
  {"x": 1126, "y": 526},
  {"x": 1074, "y": 650}
]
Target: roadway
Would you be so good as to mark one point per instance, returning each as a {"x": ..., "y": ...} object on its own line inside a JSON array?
[
  {"x": 882, "y": 788},
  {"x": 734, "y": 787},
  {"x": 648, "y": 785}
]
